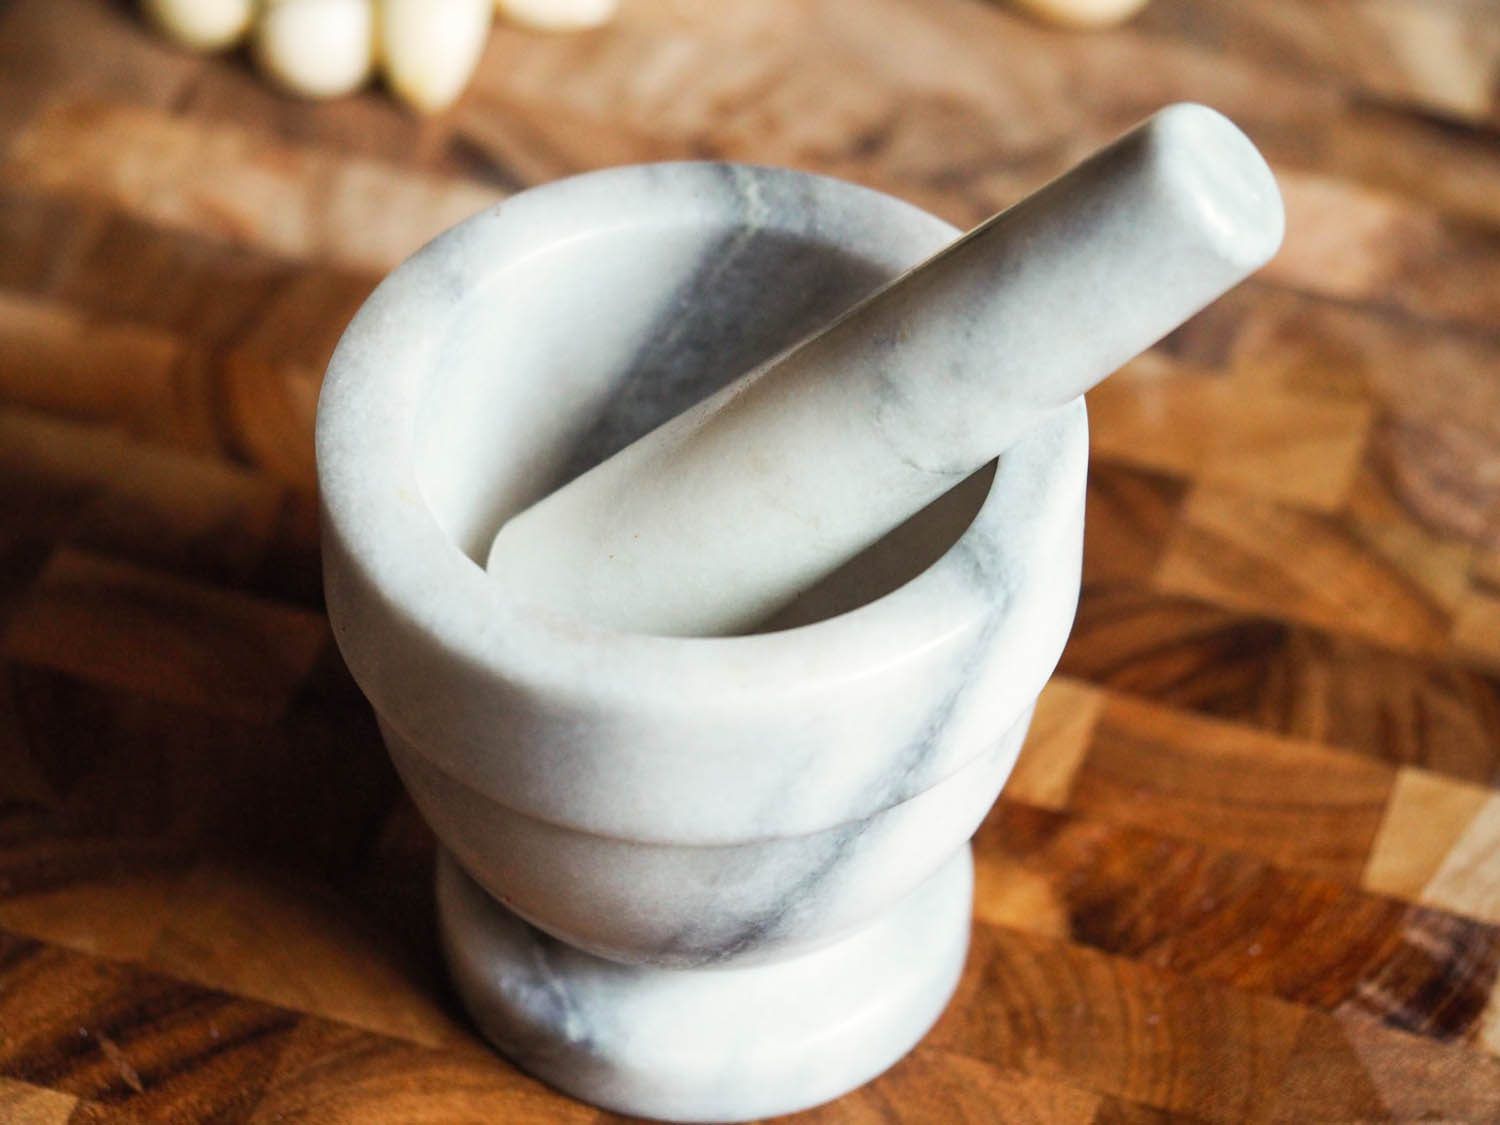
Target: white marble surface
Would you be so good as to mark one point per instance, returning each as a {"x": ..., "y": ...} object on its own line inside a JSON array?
[
  {"x": 683, "y": 805},
  {"x": 720, "y": 516},
  {"x": 710, "y": 1044}
]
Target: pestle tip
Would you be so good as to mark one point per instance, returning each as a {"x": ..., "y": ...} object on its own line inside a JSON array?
[{"x": 1222, "y": 180}]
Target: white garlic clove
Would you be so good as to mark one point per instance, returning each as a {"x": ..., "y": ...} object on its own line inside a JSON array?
[
  {"x": 1083, "y": 13},
  {"x": 558, "y": 15},
  {"x": 203, "y": 25},
  {"x": 431, "y": 47},
  {"x": 316, "y": 48}
]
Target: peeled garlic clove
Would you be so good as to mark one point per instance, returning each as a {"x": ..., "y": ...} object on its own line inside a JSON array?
[
  {"x": 316, "y": 48},
  {"x": 431, "y": 47},
  {"x": 203, "y": 25},
  {"x": 1083, "y": 13},
  {"x": 558, "y": 15}
]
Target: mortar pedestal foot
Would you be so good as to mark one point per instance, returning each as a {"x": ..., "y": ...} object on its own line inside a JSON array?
[{"x": 709, "y": 1044}]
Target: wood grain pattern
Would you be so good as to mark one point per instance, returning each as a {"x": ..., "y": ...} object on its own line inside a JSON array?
[
  {"x": 1108, "y": 1024},
  {"x": 1246, "y": 868},
  {"x": 230, "y": 185},
  {"x": 1425, "y": 821},
  {"x": 34, "y": 1105},
  {"x": 1444, "y": 58},
  {"x": 147, "y": 633},
  {"x": 1231, "y": 918},
  {"x": 1302, "y": 450},
  {"x": 1303, "y": 806},
  {"x": 1243, "y": 552},
  {"x": 1283, "y": 677}
]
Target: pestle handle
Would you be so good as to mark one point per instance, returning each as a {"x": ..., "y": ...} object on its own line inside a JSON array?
[{"x": 720, "y": 516}]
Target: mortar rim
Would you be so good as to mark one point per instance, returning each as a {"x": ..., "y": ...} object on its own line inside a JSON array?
[{"x": 470, "y": 616}]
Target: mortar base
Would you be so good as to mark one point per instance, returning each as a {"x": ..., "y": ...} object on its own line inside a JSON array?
[{"x": 719, "y": 1044}]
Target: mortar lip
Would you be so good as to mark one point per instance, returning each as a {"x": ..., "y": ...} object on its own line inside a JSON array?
[{"x": 376, "y": 516}]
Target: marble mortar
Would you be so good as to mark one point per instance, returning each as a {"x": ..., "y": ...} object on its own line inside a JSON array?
[{"x": 694, "y": 878}]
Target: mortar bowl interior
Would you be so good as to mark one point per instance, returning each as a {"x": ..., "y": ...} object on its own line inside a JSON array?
[{"x": 569, "y": 354}]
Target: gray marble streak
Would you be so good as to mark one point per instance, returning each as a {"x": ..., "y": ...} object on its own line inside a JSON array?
[
  {"x": 700, "y": 339},
  {"x": 678, "y": 833}
]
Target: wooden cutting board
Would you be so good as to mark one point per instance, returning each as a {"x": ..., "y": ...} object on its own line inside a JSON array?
[{"x": 1249, "y": 866}]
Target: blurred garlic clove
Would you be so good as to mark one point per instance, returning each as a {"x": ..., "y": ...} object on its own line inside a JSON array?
[
  {"x": 316, "y": 48},
  {"x": 431, "y": 47},
  {"x": 558, "y": 15},
  {"x": 203, "y": 25},
  {"x": 1083, "y": 13}
]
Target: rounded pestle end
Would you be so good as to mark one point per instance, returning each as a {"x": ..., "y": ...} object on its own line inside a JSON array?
[{"x": 1225, "y": 187}]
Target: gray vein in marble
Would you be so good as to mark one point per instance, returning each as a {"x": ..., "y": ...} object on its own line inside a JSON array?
[{"x": 699, "y": 343}]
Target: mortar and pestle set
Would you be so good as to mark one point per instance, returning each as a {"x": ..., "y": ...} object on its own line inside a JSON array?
[{"x": 703, "y": 679}]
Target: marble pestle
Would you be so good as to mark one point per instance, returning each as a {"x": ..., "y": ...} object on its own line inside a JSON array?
[{"x": 720, "y": 516}]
